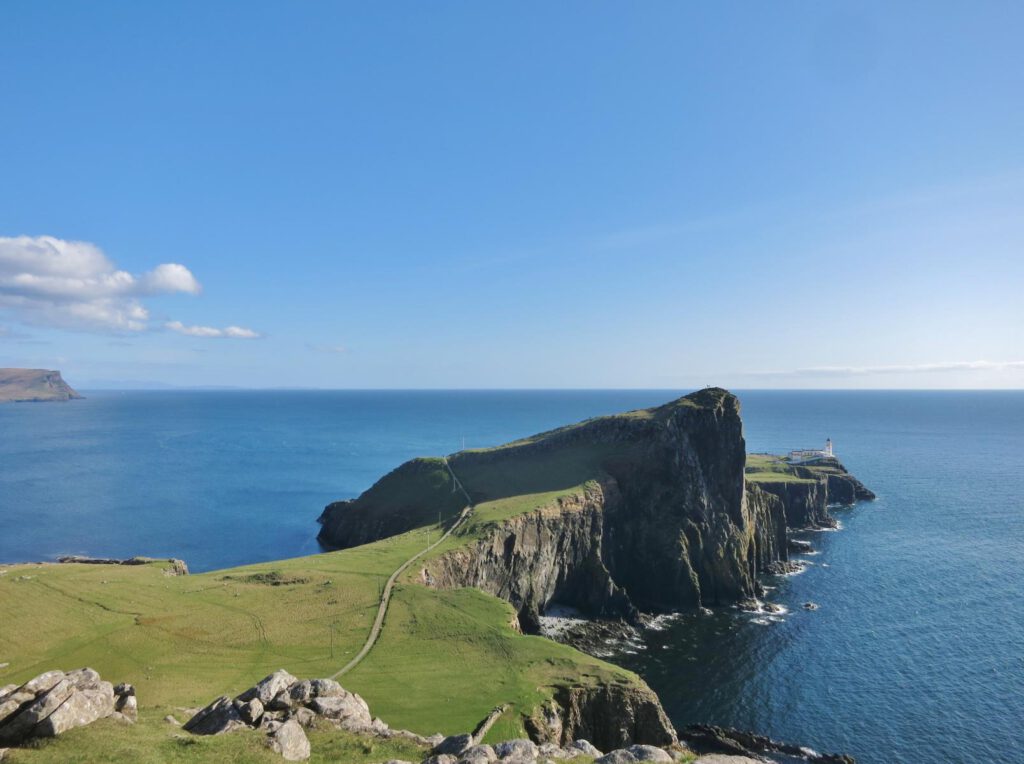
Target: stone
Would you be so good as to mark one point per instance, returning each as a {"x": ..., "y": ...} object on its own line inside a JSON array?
[
  {"x": 269, "y": 687},
  {"x": 304, "y": 716},
  {"x": 7, "y": 689},
  {"x": 85, "y": 679},
  {"x": 348, "y": 707},
  {"x": 326, "y": 688},
  {"x": 302, "y": 692},
  {"x": 217, "y": 718},
  {"x": 12, "y": 704},
  {"x": 290, "y": 741},
  {"x": 171, "y": 720},
  {"x": 379, "y": 726},
  {"x": 586, "y": 748},
  {"x": 441, "y": 758},
  {"x": 477, "y": 754},
  {"x": 124, "y": 690},
  {"x": 650, "y": 753},
  {"x": 621, "y": 756},
  {"x": 19, "y": 726},
  {"x": 518, "y": 749},
  {"x": 250, "y": 711},
  {"x": 455, "y": 745},
  {"x": 720, "y": 758},
  {"x": 552, "y": 751},
  {"x": 43, "y": 682},
  {"x": 82, "y": 707},
  {"x": 127, "y": 705}
]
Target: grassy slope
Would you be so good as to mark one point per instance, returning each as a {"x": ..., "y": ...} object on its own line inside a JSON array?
[
  {"x": 765, "y": 468},
  {"x": 444, "y": 660}
]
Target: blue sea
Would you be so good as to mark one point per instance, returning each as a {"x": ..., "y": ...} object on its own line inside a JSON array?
[{"x": 916, "y": 653}]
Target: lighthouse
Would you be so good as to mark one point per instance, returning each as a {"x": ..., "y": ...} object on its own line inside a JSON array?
[{"x": 828, "y": 447}]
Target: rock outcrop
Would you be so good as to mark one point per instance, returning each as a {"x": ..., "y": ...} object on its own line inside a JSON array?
[
  {"x": 55, "y": 702},
  {"x": 34, "y": 385},
  {"x": 175, "y": 567},
  {"x": 728, "y": 742},
  {"x": 668, "y": 521}
]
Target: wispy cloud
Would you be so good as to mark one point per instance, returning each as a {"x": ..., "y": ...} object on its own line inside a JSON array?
[
  {"x": 232, "y": 332},
  {"x": 922, "y": 368}
]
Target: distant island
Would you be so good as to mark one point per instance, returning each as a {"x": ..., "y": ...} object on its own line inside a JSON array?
[{"x": 34, "y": 385}]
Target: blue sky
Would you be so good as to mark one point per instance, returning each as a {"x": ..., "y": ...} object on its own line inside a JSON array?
[{"x": 463, "y": 194}]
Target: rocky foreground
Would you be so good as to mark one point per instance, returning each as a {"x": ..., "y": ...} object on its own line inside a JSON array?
[
  {"x": 55, "y": 702},
  {"x": 283, "y": 707}
]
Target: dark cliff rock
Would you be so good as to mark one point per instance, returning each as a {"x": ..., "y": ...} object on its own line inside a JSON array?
[
  {"x": 665, "y": 518},
  {"x": 552, "y": 554},
  {"x": 609, "y": 716}
]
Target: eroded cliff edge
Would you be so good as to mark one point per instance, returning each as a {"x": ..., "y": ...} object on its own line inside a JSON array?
[
  {"x": 646, "y": 511},
  {"x": 652, "y": 510}
]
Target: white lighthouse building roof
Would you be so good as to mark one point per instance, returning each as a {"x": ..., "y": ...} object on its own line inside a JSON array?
[{"x": 812, "y": 454}]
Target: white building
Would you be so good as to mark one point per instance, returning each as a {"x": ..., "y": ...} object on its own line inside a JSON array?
[{"x": 810, "y": 455}]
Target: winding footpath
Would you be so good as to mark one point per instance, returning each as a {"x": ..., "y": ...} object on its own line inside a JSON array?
[{"x": 385, "y": 598}]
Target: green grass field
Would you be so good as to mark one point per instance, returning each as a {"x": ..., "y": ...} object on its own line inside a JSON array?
[
  {"x": 766, "y": 468},
  {"x": 444, "y": 660}
]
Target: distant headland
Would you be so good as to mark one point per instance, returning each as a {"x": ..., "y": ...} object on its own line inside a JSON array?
[{"x": 34, "y": 385}]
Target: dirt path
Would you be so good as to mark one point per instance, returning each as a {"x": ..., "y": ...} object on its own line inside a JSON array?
[{"x": 385, "y": 598}]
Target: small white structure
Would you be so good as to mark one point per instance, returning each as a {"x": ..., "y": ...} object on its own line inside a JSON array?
[{"x": 810, "y": 455}]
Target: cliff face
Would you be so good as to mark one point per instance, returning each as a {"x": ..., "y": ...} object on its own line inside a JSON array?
[
  {"x": 662, "y": 516},
  {"x": 553, "y": 554},
  {"x": 24, "y": 385},
  {"x": 670, "y": 523},
  {"x": 609, "y": 716}
]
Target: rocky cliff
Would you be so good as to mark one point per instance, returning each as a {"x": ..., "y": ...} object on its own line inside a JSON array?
[
  {"x": 644, "y": 511},
  {"x": 24, "y": 385}
]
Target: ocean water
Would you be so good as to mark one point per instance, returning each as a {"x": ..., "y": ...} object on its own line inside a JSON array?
[{"x": 916, "y": 653}]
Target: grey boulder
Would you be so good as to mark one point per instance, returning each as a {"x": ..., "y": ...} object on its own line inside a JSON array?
[
  {"x": 516, "y": 749},
  {"x": 586, "y": 748},
  {"x": 650, "y": 753},
  {"x": 81, "y": 708},
  {"x": 621, "y": 756},
  {"x": 217, "y": 718},
  {"x": 290, "y": 741},
  {"x": 454, "y": 745}
]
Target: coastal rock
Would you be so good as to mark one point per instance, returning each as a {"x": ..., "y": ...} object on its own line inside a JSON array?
[
  {"x": 290, "y": 741},
  {"x": 620, "y": 756},
  {"x": 586, "y": 748},
  {"x": 613, "y": 716},
  {"x": 710, "y": 739},
  {"x": 649, "y": 753}
]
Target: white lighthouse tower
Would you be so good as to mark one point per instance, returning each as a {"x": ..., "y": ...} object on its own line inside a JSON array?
[{"x": 828, "y": 447}]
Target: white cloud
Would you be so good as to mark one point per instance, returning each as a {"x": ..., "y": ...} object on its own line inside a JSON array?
[
  {"x": 235, "y": 332},
  {"x": 72, "y": 284},
  {"x": 922, "y": 368}
]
